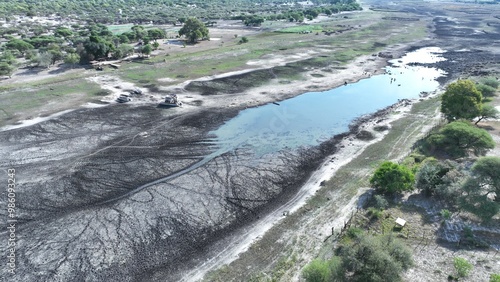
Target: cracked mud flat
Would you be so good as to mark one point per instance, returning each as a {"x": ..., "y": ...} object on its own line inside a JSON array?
[{"x": 74, "y": 222}]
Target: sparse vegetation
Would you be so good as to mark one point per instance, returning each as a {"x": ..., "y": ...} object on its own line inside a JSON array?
[
  {"x": 495, "y": 278},
  {"x": 324, "y": 270},
  {"x": 462, "y": 266},
  {"x": 364, "y": 258},
  {"x": 446, "y": 214}
]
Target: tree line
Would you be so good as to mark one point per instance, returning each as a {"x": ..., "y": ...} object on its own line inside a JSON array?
[
  {"x": 82, "y": 45},
  {"x": 441, "y": 168},
  {"x": 156, "y": 11}
]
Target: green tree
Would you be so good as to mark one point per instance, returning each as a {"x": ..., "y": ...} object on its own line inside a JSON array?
[
  {"x": 156, "y": 45},
  {"x": 461, "y": 100},
  {"x": 475, "y": 199},
  {"x": 459, "y": 138},
  {"x": 63, "y": 32},
  {"x": 7, "y": 57},
  {"x": 6, "y": 69},
  {"x": 123, "y": 38},
  {"x": 487, "y": 172},
  {"x": 19, "y": 44},
  {"x": 56, "y": 53},
  {"x": 391, "y": 178},
  {"x": 487, "y": 112},
  {"x": 139, "y": 32},
  {"x": 72, "y": 59},
  {"x": 43, "y": 59},
  {"x": 253, "y": 21},
  {"x": 156, "y": 33},
  {"x": 376, "y": 259},
  {"x": 147, "y": 49},
  {"x": 7, "y": 63},
  {"x": 194, "y": 30},
  {"x": 97, "y": 48},
  {"x": 430, "y": 175},
  {"x": 123, "y": 51}
]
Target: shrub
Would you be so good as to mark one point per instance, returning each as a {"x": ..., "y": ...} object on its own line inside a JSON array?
[
  {"x": 244, "y": 39},
  {"x": 462, "y": 266},
  {"x": 375, "y": 213},
  {"x": 495, "y": 278},
  {"x": 430, "y": 175},
  {"x": 475, "y": 200},
  {"x": 490, "y": 81},
  {"x": 324, "y": 271},
  {"x": 316, "y": 271},
  {"x": 376, "y": 258},
  {"x": 446, "y": 214},
  {"x": 391, "y": 178},
  {"x": 486, "y": 90},
  {"x": 354, "y": 232},
  {"x": 380, "y": 202}
]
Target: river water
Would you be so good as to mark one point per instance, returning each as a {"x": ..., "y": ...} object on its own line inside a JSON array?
[{"x": 313, "y": 117}]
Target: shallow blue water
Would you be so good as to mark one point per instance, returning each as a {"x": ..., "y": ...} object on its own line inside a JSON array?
[{"x": 310, "y": 118}]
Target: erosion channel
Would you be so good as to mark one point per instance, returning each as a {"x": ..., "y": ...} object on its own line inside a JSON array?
[{"x": 115, "y": 192}]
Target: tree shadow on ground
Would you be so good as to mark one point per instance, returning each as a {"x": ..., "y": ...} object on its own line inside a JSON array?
[
  {"x": 64, "y": 68},
  {"x": 457, "y": 231}
]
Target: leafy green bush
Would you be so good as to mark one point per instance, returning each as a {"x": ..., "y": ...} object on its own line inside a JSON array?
[
  {"x": 495, "y": 278},
  {"x": 474, "y": 198},
  {"x": 486, "y": 90},
  {"x": 486, "y": 171},
  {"x": 375, "y": 213},
  {"x": 391, "y": 178},
  {"x": 490, "y": 81},
  {"x": 430, "y": 175},
  {"x": 462, "y": 266},
  {"x": 354, "y": 232},
  {"x": 324, "y": 271},
  {"x": 376, "y": 258},
  {"x": 446, "y": 214}
]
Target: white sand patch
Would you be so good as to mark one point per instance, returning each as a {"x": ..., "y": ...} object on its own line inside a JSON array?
[
  {"x": 167, "y": 79},
  {"x": 33, "y": 121},
  {"x": 273, "y": 60}
]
